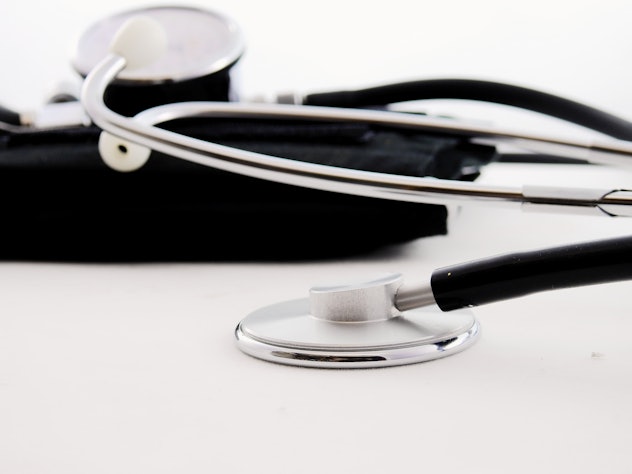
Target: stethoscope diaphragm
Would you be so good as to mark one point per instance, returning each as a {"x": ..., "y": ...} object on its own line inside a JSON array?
[
  {"x": 354, "y": 326},
  {"x": 287, "y": 333}
]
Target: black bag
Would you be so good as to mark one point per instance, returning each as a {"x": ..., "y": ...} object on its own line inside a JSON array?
[{"x": 61, "y": 202}]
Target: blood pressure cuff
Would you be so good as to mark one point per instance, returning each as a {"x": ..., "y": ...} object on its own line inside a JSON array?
[{"x": 62, "y": 203}]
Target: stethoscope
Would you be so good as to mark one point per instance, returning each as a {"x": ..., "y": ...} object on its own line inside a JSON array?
[{"x": 383, "y": 322}]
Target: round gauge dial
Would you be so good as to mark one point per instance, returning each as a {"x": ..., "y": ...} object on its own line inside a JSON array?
[{"x": 200, "y": 42}]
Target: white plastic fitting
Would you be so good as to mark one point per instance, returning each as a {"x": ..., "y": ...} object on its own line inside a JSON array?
[
  {"x": 122, "y": 155},
  {"x": 141, "y": 41}
]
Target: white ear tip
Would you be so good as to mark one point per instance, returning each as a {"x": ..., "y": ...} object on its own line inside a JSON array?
[
  {"x": 121, "y": 155},
  {"x": 140, "y": 40}
]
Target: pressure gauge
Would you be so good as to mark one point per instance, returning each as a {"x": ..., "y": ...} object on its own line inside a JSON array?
[{"x": 202, "y": 48}]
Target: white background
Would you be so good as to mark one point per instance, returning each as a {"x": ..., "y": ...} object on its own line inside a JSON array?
[
  {"x": 133, "y": 368},
  {"x": 578, "y": 48}
]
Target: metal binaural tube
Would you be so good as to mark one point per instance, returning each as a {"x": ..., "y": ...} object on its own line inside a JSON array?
[
  {"x": 140, "y": 130},
  {"x": 416, "y": 295}
]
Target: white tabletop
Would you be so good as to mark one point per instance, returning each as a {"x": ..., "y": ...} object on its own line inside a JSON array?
[{"x": 134, "y": 368}]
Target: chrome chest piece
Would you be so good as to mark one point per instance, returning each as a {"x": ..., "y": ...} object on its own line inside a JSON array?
[{"x": 354, "y": 326}]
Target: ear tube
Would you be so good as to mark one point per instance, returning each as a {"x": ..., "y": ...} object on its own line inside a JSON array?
[{"x": 139, "y": 42}]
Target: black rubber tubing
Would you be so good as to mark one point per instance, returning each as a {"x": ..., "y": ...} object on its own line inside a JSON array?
[
  {"x": 518, "y": 274},
  {"x": 478, "y": 90},
  {"x": 9, "y": 116}
]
